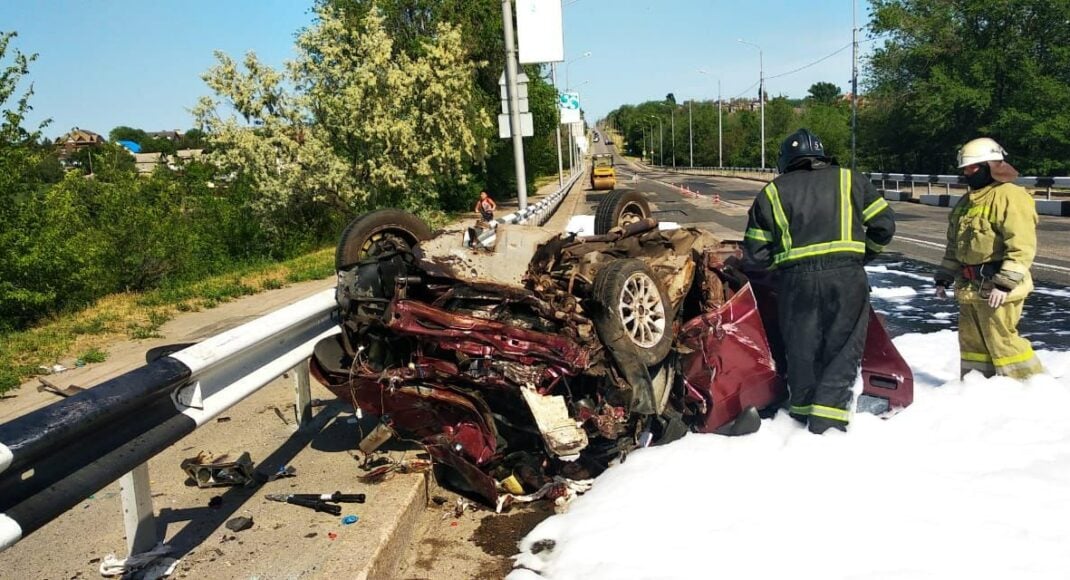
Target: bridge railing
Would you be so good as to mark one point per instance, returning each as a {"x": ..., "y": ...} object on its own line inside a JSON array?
[
  {"x": 905, "y": 186},
  {"x": 53, "y": 458}
]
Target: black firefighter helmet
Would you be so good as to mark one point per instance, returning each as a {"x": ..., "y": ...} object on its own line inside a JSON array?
[{"x": 800, "y": 145}]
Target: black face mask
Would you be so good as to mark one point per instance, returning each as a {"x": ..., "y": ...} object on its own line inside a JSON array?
[{"x": 980, "y": 178}]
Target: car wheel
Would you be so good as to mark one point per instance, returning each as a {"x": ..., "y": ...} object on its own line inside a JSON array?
[
  {"x": 620, "y": 208},
  {"x": 634, "y": 313},
  {"x": 377, "y": 232}
]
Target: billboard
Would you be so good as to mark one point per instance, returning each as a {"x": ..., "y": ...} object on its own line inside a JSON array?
[
  {"x": 570, "y": 107},
  {"x": 538, "y": 31}
]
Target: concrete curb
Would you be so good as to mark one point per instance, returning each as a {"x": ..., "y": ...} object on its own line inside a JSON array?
[{"x": 396, "y": 536}]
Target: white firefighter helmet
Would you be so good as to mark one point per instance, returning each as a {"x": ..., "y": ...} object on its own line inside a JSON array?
[{"x": 980, "y": 150}]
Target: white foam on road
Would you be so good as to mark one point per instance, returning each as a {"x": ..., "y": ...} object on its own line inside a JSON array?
[
  {"x": 969, "y": 482},
  {"x": 583, "y": 225},
  {"x": 898, "y": 293}
]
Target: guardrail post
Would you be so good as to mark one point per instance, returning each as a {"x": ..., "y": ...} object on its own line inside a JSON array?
[
  {"x": 138, "y": 517},
  {"x": 947, "y": 188},
  {"x": 929, "y": 188},
  {"x": 303, "y": 393},
  {"x": 1049, "y": 193}
]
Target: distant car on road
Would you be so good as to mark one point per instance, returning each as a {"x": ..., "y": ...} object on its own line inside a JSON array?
[{"x": 609, "y": 141}]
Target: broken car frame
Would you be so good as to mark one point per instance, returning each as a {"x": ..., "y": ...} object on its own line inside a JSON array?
[{"x": 545, "y": 358}]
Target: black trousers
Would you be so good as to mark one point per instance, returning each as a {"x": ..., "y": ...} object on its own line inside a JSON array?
[{"x": 823, "y": 309}]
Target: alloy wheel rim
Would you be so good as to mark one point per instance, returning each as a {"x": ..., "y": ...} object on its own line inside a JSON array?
[{"x": 641, "y": 310}]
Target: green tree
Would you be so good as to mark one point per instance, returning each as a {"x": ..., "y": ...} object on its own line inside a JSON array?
[
  {"x": 952, "y": 70},
  {"x": 824, "y": 93},
  {"x": 362, "y": 127},
  {"x": 124, "y": 133},
  {"x": 11, "y": 130}
]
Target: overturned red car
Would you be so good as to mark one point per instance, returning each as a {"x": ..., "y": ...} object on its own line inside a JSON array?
[{"x": 548, "y": 355}]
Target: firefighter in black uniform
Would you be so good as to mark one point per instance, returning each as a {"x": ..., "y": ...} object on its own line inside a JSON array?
[{"x": 815, "y": 225}]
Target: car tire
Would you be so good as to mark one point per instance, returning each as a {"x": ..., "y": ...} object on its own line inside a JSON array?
[
  {"x": 620, "y": 208},
  {"x": 376, "y": 232},
  {"x": 634, "y": 315}
]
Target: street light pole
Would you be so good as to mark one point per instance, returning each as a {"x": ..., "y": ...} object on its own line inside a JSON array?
[
  {"x": 761, "y": 92},
  {"x": 568, "y": 87},
  {"x": 569, "y": 63},
  {"x": 720, "y": 132},
  {"x": 854, "y": 81},
  {"x": 673, "y": 134},
  {"x": 690, "y": 137},
  {"x": 557, "y": 130},
  {"x": 651, "y": 139}
]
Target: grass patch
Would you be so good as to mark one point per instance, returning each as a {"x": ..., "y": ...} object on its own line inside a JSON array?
[
  {"x": 93, "y": 355},
  {"x": 140, "y": 316}
]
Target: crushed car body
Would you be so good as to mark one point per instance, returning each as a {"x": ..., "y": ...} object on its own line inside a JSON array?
[{"x": 551, "y": 355}]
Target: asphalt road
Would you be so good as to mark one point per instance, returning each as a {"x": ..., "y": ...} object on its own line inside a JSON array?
[{"x": 920, "y": 234}]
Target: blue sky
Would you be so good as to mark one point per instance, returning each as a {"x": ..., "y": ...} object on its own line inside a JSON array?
[{"x": 120, "y": 62}]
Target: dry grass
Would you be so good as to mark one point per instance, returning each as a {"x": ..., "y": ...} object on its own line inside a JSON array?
[{"x": 84, "y": 335}]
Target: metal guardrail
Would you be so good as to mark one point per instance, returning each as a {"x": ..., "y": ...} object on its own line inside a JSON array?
[
  {"x": 538, "y": 212},
  {"x": 53, "y": 458},
  {"x": 1046, "y": 183},
  {"x": 56, "y": 456}
]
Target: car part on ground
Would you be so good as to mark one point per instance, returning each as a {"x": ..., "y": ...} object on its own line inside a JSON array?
[{"x": 552, "y": 355}]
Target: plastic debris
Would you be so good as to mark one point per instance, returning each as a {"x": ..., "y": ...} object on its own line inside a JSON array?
[
  {"x": 150, "y": 565},
  {"x": 332, "y": 535},
  {"x": 348, "y": 520}
]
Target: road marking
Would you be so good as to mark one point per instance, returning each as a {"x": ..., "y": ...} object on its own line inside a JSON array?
[
  {"x": 929, "y": 244},
  {"x": 921, "y": 242}
]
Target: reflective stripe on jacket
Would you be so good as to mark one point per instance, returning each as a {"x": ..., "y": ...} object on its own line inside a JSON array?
[
  {"x": 996, "y": 223},
  {"x": 809, "y": 213}
]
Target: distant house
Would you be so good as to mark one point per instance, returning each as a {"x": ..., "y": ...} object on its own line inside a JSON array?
[
  {"x": 172, "y": 136},
  {"x": 75, "y": 140},
  {"x": 147, "y": 162}
]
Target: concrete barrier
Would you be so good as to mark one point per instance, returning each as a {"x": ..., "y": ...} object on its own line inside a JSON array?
[
  {"x": 896, "y": 195},
  {"x": 940, "y": 200},
  {"x": 1051, "y": 207}
]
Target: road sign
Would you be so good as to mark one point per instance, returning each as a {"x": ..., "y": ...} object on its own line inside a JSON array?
[
  {"x": 570, "y": 107},
  {"x": 527, "y": 126}
]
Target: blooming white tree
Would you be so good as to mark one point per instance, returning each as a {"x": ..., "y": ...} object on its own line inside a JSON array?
[{"x": 349, "y": 123}]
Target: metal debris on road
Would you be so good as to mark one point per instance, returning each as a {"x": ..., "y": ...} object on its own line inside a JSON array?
[{"x": 207, "y": 470}]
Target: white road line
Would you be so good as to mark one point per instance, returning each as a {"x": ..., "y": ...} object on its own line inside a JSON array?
[
  {"x": 921, "y": 242},
  {"x": 929, "y": 244}
]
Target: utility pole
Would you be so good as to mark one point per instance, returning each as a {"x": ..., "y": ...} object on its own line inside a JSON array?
[
  {"x": 514, "y": 104},
  {"x": 720, "y": 138},
  {"x": 661, "y": 142},
  {"x": 673, "y": 134},
  {"x": 557, "y": 130},
  {"x": 854, "y": 81},
  {"x": 690, "y": 137},
  {"x": 761, "y": 91}
]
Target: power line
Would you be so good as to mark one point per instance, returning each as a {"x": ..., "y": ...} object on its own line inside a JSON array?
[
  {"x": 745, "y": 91},
  {"x": 820, "y": 60}
]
